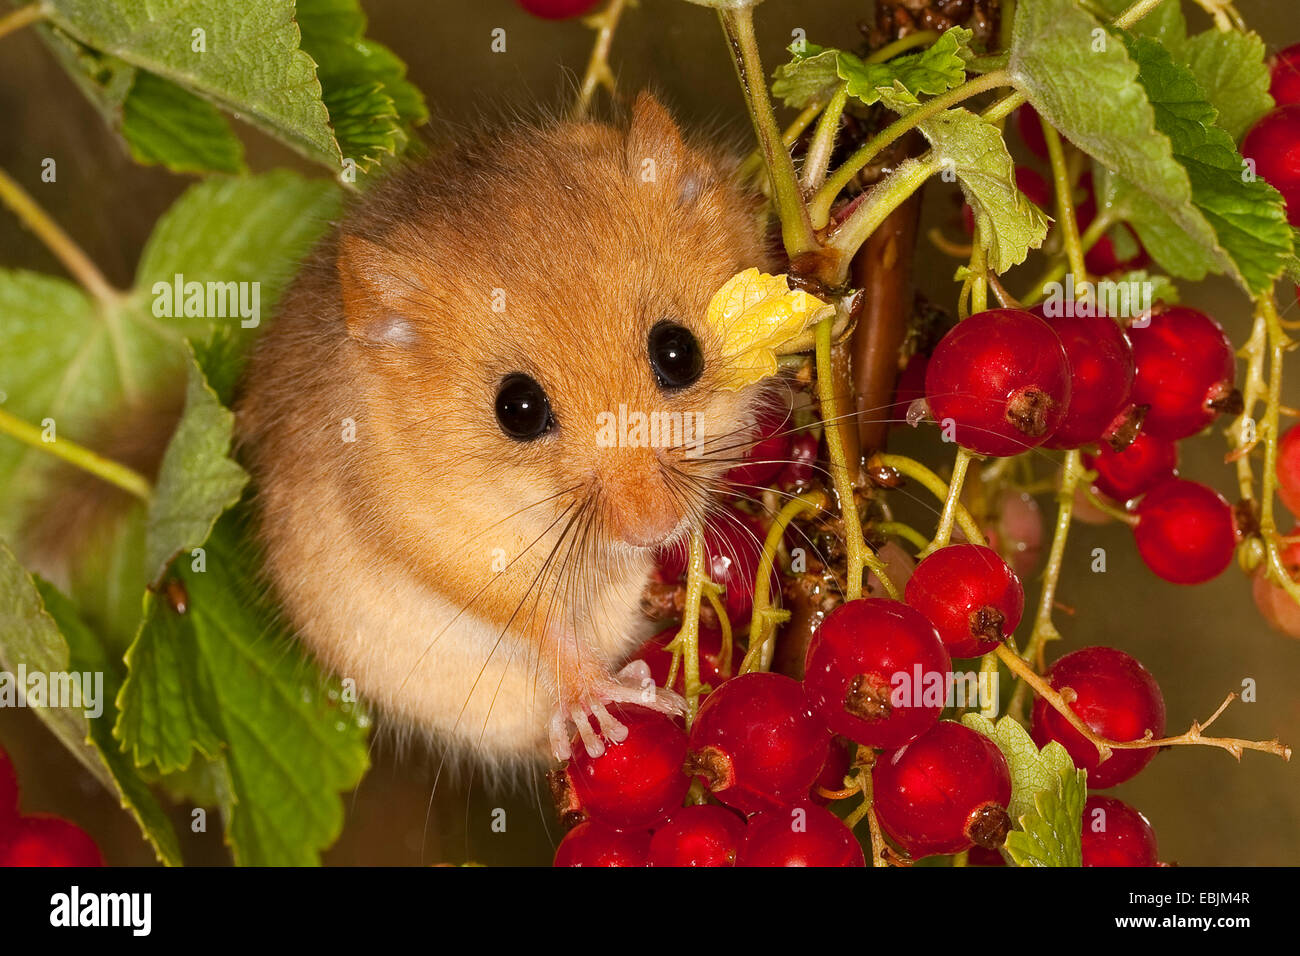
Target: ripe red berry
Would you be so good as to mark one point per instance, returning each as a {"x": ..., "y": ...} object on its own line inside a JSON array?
[
  {"x": 833, "y": 771},
  {"x": 1185, "y": 531},
  {"x": 698, "y": 836},
  {"x": 1101, "y": 376},
  {"x": 1273, "y": 601},
  {"x": 801, "y": 835},
  {"x": 1124, "y": 475},
  {"x": 766, "y": 452},
  {"x": 660, "y": 660},
  {"x": 1002, "y": 379},
  {"x": 1116, "y": 698},
  {"x": 635, "y": 783},
  {"x": 1274, "y": 146},
  {"x": 944, "y": 792},
  {"x": 1288, "y": 469},
  {"x": 733, "y": 544},
  {"x": 558, "y": 9},
  {"x": 798, "y": 471},
  {"x": 8, "y": 791},
  {"x": 757, "y": 743},
  {"x": 42, "y": 840},
  {"x": 592, "y": 843},
  {"x": 1185, "y": 372},
  {"x": 1285, "y": 86},
  {"x": 877, "y": 672},
  {"x": 971, "y": 595},
  {"x": 1114, "y": 834}
]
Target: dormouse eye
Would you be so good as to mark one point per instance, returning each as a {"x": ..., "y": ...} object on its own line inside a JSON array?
[
  {"x": 522, "y": 408},
  {"x": 675, "y": 355}
]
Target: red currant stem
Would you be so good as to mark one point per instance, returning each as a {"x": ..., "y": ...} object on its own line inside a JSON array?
[
  {"x": 689, "y": 633},
  {"x": 17, "y": 19},
  {"x": 820, "y": 205},
  {"x": 979, "y": 274},
  {"x": 1005, "y": 298},
  {"x": 1044, "y": 630},
  {"x": 1278, "y": 344},
  {"x": 818, "y": 158},
  {"x": 796, "y": 233},
  {"x": 1243, "y": 433},
  {"x": 838, "y": 794},
  {"x": 867, "y": 808},
  {"x": 886, "y": 196},
  {"x": 754, "y": 161},
  {"x": 1136, "y": 12},
  {"x": 1091, "y": 236},
  {"x": 935, "y": 485},
  {"x": 598, "y": 72},
  {"x": 943, "y": 535},
  {"x": 1109, "y": 508},
  {"x": 61, "y": 245},
  {"x": 961, "y": 859},
  {"x": 946, "y": 245},
  {"x": 113, "y": 472},
  {"x": 1031, "y": 678},
  {"x": 901, "y": 530},
  {"x": 759, "y": 654},
  {"x": 1065, "y": 203},
  {"x": 902, "y": 45},
  {"x": 1004, "y": 107},
  {"x": 1225, "y": 15},
  {"x": 858, "y": 552},
  {"x": 724, "y": 625}
]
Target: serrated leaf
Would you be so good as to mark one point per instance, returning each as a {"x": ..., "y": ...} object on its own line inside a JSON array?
[
  {"x": 1231, "y": 71},
  {"x": 224, "y": 675},
  {"x": 929, "y": 72},
  {"x": 197, "y": 480},
  {"x": 1052, "y": 833},
  {"x": 974, "y": 151},
  {"x": 163, "y": 123},
  {"x": 40, "y": 631},
  {"x": 1033, "y": 771},
  {"x": 250, "y": 63}
]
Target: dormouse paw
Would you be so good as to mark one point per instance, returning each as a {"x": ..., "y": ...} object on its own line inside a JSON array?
[{"x": 632, "y": 685}]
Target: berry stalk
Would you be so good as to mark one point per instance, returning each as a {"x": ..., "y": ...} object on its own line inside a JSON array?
[
  {"x": 913, "y": 469},
  {"x": 113, "y": 472}
]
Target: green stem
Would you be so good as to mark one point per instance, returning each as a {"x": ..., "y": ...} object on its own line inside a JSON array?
[
  {"x": 903, "y": 44},
  {"x": 689, "y": 633},
  {"x": 796, "y": 233},
  {"x": 913, "y": 469},
  {"x": 1136, "y": 12},
  {"x": 754, "y": 161},
  {"x": 886, "y": 196},
  {"x": 944, "y": 533},
  {"x": 758, "y": 656},
  {"x": 821, "y": 203},
  {"x": 113, "y": 472},
  {"x": 822, "y": 146},
  {"x": 979, "y": 284},
  {"x": 1278, "y": 343},
  {"x": 1091, "y": 236},
  {"x": 598, "y": 71},
  {"x": 904, "y": 531},
  {"x": 1065, "y": 203},
  {"x": 23, "y": 16},
  {"x": 1108, "y": 508}
]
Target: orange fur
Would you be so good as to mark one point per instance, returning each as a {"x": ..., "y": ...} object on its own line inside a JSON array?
[{"x": 386, "y": 550}]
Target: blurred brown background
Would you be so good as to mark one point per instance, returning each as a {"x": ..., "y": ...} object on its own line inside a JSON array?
[{"x": 1199, "y": 642}]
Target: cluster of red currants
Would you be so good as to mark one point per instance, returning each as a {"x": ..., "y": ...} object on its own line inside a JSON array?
[
  {"x": 38, "y": 839},
  {"x": 1007, "y": 380},
  {"x": 1273, "y": 144}
]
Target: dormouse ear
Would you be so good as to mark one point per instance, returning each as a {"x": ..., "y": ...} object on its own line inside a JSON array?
[
  {"x": 655, "y": 151},
  {"x": 376, "y": 300}
]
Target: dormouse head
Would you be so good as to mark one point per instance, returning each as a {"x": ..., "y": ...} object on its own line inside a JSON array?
[{"x": 527, "y": 314}]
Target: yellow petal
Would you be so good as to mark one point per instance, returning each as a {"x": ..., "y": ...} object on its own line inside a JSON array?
[{"x": 757, "y": 314}]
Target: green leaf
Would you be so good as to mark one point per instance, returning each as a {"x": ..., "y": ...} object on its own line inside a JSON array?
[
  {"x": 1052, "y": 833},
  {"x": 197, "y": 480},
  {"x": 1033, "y": 771},
  {"x": 1231, "y": 71},
  {"x": 223, "y": 679},
  {"x": 41, "y": 632},
  {"x": 1162, "y": 287},
  {"x": 165, "y": 124},
  {"x": 974, "y": 151},
  {"x": 371, "y": 104},
  {"x": 249, "y": 62},
  {"x": 934, "y": 70}
]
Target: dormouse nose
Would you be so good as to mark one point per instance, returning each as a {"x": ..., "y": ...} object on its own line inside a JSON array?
[{"x": 637, "y": 495}]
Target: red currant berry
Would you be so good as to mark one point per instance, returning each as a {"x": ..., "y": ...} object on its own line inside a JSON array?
[
  {"x": 801, "y": 835},
  {"x": 655, "y": 653},
  {"x": 971, "y": 595},
  {"x": 8, "y": 791},
  {"x": 1288, "y": 469},
  {"x": 1014, "y": 530},
  {"x": 877, "y": 672},
  {"x": 592, "y": 843},
  {"x": 944, "y": 792},
  {"x": 1185, "y": 531},
  {"x": 767, "y": 451},
  {"x": 1273, "y": 601},
  {"x": 1274, "y": 145},
  {"x": 49, "y": 841},
  {"x": 635, "y": 783},
  {"x": 1116, "y": 698},
  {"x": 1124, "y": 475},
  {"x": 833, "y": 771},
  {"x": 1030, "y": 128},
  {"x": 757, "y": 743},
  {"x": 1101, "y": 376},
  {"x": 1002, "y": 378},
  {"x": 798, "y": 471},
  {"x": 1114, "y": 834},
  {"x": 698, "y": 836},
  {"x": 1285, "y": 87},
  {"x": 1103, "y": 259},
  {"x": 558, "y": 9},
  {"x": 733, "y": 544},
  {"x": 1185, "y": 372}
]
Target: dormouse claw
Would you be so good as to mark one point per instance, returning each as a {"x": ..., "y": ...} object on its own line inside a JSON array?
[{"x": 632, "y": 685}]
